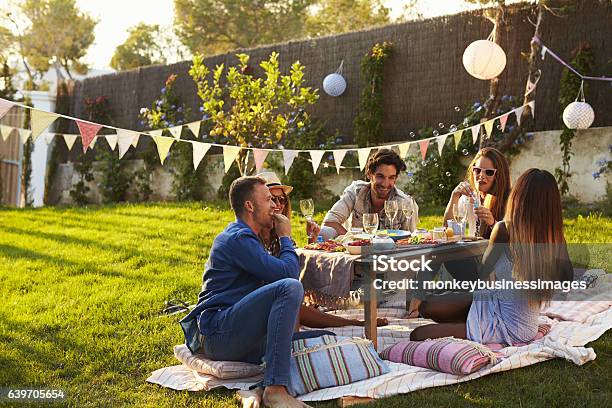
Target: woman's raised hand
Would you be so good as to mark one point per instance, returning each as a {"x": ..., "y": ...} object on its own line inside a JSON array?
[{"x": 462, "y": 188}]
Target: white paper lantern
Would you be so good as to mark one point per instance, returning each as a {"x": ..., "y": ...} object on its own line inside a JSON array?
[
  {"x": 335, "y": 84},
  {"x": 483, "y": 59},
  {"x": 578, "y": 115}
]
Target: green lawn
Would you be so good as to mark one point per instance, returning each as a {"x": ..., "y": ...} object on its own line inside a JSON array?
[{"x": 82, "y": 291}]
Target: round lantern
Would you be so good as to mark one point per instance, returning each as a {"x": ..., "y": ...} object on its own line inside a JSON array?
[
  {"x": 484, "y": 59},
  {"x": 578, "y": 115},
  {"x": 335, "y": 84}
]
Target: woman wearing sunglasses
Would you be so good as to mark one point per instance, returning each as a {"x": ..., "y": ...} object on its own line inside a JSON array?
[
  {"x": 309, "y": 316},
  {"x": 487, "y": 174}
]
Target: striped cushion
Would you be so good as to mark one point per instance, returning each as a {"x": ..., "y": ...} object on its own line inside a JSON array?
[
  {"x": 452, "y": 356},
  {"x": 221, "y": 369},
  {"x": 330, "y": 361}
]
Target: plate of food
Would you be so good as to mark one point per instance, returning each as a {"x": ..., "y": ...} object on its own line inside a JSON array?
[
  {"x": 395, "y": 234},
  {"x": 327, "y": 246},
  {"x": 354, "y": 247}
]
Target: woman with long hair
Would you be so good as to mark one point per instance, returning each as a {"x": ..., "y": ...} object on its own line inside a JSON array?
[
  {"x": 528, "y": 246},
  {"x": 309, "y": 316}
]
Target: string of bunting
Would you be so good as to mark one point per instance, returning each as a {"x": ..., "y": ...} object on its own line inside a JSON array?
[{"x": 124, "y": 139}]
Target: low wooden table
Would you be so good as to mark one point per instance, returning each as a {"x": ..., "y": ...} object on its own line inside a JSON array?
[{"x": 438, "y": 255}]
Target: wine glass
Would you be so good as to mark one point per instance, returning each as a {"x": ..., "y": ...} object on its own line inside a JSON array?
[
  {"x": 391, "y": 211},
  {"x": 407, "y": 209},
  {"x": 370, "y": 223},
  {"x": 307, "y": 208}
]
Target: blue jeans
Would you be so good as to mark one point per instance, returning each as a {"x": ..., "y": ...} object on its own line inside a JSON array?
[{"x": 260, "y": 325}]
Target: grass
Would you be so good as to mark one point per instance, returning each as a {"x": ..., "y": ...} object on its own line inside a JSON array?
[{"x": 82, "y": 291}]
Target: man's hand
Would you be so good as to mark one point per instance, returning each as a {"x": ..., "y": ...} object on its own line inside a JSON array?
[{"x": 282, "y": 225}]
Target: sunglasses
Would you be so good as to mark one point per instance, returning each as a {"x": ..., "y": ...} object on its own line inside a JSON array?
[
  {"x": 280, "y": 200},
  {"x": 487, "y": 172}
]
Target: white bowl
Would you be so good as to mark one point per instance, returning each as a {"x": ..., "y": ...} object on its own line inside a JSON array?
[{"x": 353, "y": 249}]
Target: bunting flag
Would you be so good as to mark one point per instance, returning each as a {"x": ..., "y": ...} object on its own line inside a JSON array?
[
  {"x": 24, "y": 135},
  {"x": 423, "y": 145},
  {"x": 88, "y": 133},
  {"x": 195, "y": 128},
  {"x": 259, "y": 156},
  {"x": 441, "y": 140},
  {"x": 199, "y": 150},
  {"x": 488, "y": 125},
  {"x": 69, "y": 140},
  {"x": 229, "y": 155},
  {"x": 457, "y": 135},
  {"x": 519, "y": 112},
  {"x": 40, "y": 120},
  {"x": 316, "y": 156},
  {"x": 125, "y": 139},
  {"x": 288, "y": 158},
  {"x": 176, "y": 131},
  {"x": 475, "y": 129},
  {"x": 48, "y": 138},
  {"x": 531, "y": 105},
  {"x": 363, "y": 155},
  {"x": 5, "y": 106},
  {"x": 338, "y": 157},
  {"x": 502, "y": 121},
  {"x": 93, "y": 142},
  {"x": 6, "y": 131},
  {"x": 156, "y": 133},
  {"x": 112, "y": 140},
  {"x": 403, "y": 149},
  {"x": 135, "y": 140},
  {"x": 163, "y": 146}
]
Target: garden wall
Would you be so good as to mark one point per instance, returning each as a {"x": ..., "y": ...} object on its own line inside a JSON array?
[
  {"x": 541, "y": 151},
  {"x": 424, "y": 78}
]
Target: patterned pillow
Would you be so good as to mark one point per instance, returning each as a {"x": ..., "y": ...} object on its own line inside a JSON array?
[
  {"x": 330, "y": 361},
  {"x": 223, "y": 370},
  {"x": 448, "y": 355}
]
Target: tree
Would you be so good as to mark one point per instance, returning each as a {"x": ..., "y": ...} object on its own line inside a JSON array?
[
  {"x": 142, "y": 47},
  {"x": 59, "y": 36},
  {"x": 338, "y": 16},
  {"x": 216, "y": 26}
]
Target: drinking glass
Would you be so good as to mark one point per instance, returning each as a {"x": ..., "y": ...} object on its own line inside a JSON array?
[
  {"x": 307, "y": 208},
  {"x": 391, "y": 209},
  {"x": 370, "y": 223},
  {"x": 407, "y": 209}
]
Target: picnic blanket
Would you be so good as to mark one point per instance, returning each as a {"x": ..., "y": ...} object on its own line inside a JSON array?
[{"x": 566, "y": 339}]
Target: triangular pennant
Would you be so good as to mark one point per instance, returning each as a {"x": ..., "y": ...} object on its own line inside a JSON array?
[
  {"x": 112, "y": 140},
  {"x": 229, "y": 155},
  {"x": 441, "y": 140},
  {"x": 194, "y": 127},
  {"x": 93, "y": 142},
  {"x": 6, "y": 131},
  {"x": 156, "y": 132},
  {"x": 475, "y": 129},
  {"x": 125, "y": 139},
  {"x": 176, "y": 131},
  {"x": 70, "y": 139},
  {"x": 5, "y": 106},
  {"x": 259, "y": 156},
  {"x": 288, "y": 157},
  {"x": 316, "y": 156},
  {"x": 457, "y": 135},
  {"x": 88, "y": 132},
  {"x": 338, "y": 157},
  {"x": 519, "y": 113},
  {"x": 423, "y": 145},
  {"x": 40, "y": 120},
  {"x": 531, "y": 105},
  {"x": 403, "y": 149},
  {"x": 135, "y": 140},
  {"x": 363, "y": 155},
  {"x": 163, "y": 146},
  {"x": 48, "y": 138},
  {"x": 199, "y": 150},
  {"x": 502, "y": 121},
  {"x": 488, "y": 125},
  {"x": 24, "y": 135}
]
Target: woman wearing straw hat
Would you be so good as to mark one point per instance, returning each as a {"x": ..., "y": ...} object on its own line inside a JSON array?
[{"x": 309, "y": 316}]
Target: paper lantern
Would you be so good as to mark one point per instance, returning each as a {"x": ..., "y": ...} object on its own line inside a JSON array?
[
  {"x": 578, "y": 115},
  {"x": 335, "y": 84},
  {"x": 483, "y": 59}
]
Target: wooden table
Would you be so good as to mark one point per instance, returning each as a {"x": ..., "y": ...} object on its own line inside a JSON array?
[{"x": 438, "y": 255}]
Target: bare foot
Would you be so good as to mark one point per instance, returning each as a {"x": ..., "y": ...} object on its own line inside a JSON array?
[
  {"x": 413, "y": 309},
  {"x": 276, "y": 396},
  {"x": 250, "y": 398},
  {"x": 380, "y": 321}
]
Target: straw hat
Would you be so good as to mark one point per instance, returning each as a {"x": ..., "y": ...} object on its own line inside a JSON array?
[{"x": 272, "y": 180}]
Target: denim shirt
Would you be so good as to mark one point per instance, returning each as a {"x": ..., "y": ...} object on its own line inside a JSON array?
[{"x": 237, "y": 265}]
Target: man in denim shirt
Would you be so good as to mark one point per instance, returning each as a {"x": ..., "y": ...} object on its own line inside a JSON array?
[{"x": 249, "y": 303}]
